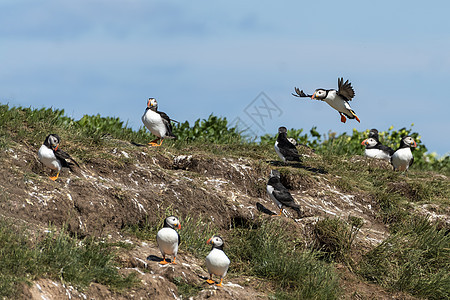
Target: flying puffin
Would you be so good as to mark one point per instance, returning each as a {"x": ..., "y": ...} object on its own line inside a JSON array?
[
  {"x": 336, "y": 99},
  {"x": 217, "y": 261},
  {"x": 374, "y": 148},
  {"x": 280, "y": 195},
  {"x": 168, "y": 239},
  {"x": 54, "y": 158},
  {"x": 402, "y": 158},
  {"x": 284, "y": 148},
  {"x": 157, "y": 122}
]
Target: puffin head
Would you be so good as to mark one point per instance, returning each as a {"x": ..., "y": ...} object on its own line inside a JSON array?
[
  {"x": 152, "y": 104},
  {"x": 216, "y": 241},
  {"x": 370, "y": 142},
  {"x": 319, "y": 94},
  {"x": 373, "y": 133},
  {"x": 408, "y": 141},
  {"x": 172, "y": 222},
  {"x": 52, "y": 141}
]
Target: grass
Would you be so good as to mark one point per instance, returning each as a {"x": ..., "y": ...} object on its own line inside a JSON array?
[
  {"x": 416, "y": 259},
  {"x": 58, "y": 256}
]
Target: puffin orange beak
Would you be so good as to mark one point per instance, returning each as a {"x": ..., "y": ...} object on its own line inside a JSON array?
[
  {"x": 208, "y": 242},
  {"x": 56, "y": 147},
  {"x": 414, "y": 145},
  {"x": 178, "y": 226},
  {"x": 313, "y": 96},
  {"x": 148, "y": 103},
  {"x": 364, "y": 142}
]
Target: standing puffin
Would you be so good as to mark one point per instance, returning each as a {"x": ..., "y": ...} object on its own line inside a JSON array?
[
  {"x": 374, "y": 148},
  {"x": 284, "y": 148},
  {"x": 168, "y": 239},
  {"x": 402, "y": 158},
  {"x": 217, "y": 261},
  {"x": 280, "y": 195},
  {"x": 336, "y": 99},
  {"x": 54, "y": 158},
  {"x": 157, "y": 122}
]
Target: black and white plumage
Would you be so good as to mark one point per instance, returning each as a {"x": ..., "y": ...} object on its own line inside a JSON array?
[
  {"x": 168, "y": 239},
  {"x": 280, "y": 195},
  {"x": 284, "y": 148},
  {"x": 337, "y": 99},
  {"x": 54, "y": 158},
  {"x": 157, "y": 122},
  {"x": 402, "y": 158},
  {"x": 217, "y": 262},
  {"x": 374, "y": 148}
]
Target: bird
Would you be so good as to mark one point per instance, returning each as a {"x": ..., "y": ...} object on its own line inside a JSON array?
[
  {"x": 284, "y": 148},
  {"x": 53, "y": 157},
  {"x": 168, "y": 239},
  {"x": 374, "y": 148},
  {"x": 217, "y": 262},
  {"x": 402, "y": 158},
  {"x": 280, "y": 195},
  {"x": 337, "y": 99},
  {"x": 157, "y": 122}
]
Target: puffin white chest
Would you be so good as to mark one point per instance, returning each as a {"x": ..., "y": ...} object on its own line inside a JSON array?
[
  {"x": 277, "y": 150},
  {"x": 376, "y": 153},
  {"x": 153, "y": 121},
  {"x": 48, "y": 158},
  {"x": 167, "y": 239},
  {"x": 270, "y": 190},
  {"x": 217, "y": 262},
  {"x": 401, "y": 158},
  {"x": 337, "y": 102}
]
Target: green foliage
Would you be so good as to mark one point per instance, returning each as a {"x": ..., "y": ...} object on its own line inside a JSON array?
[
  {"x": 212, "y": 130},
  {"x": 415, "y": 259},
  {"x": 268, "y": 251},
  {"x": 57, "y": 256},
  {"x": 334, "y": 237}
]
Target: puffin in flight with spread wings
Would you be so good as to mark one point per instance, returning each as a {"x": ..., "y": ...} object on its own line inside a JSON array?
[{"x": 337, "y": 99}]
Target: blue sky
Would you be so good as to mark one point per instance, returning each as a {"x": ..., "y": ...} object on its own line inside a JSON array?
[{"x": 203, "y": 57}]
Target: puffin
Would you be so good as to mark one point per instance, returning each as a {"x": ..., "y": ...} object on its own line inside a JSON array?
[
  {"x": 374, "y": 148},
  {"x": 402, "y": 158},
  {"x": 337, "y": 99},
  {"x": 285, "y": 149},
  {"x": 280, "y": 195},
  {"x": 168, "y": 239},
  {"x": 157, "y": 122},
  {"x": 51, "y": 156},
  {"x": 217, "y": 262}
]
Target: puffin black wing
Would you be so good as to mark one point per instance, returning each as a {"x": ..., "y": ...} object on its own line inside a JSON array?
[
  {"x": 300, "y": 93},
  {"x": 345, "y": 89},
  {"x": 166, "y": 121},
  {"x": 62, "y": 156},
  {"x": 284, "y": 197},
  {"x": 179, "y": 238},
  {"x": 386, "y": 149}
]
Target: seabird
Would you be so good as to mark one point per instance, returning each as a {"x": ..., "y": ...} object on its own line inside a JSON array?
[
  {"x": 402, "y": 158},
  {"x": 280, "y": 195},
  {"x": 168, "y": 239},
  {"x": 337, "y": 99},
  {"x": 217, "y": 262},
  {"x": 284, "y": 148},
  {"x": 157, "y": 122},
  {"x": 374, "y": 148},
  {"x": 54, "y": 158}
]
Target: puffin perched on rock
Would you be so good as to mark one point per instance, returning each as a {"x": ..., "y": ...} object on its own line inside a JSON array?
[
  {"x": 157, "y": 122},
  {"x": 402, "y": 158},
  {"x": 54, "y": 158},
  {"x": 374, "y": 148},
  {"x": 280, "y": 195},
  {"x": 217, "y": 262},
  {"x": 168, "y": 239},
  {"x": 337, "y": 99},
  {"x": 285, "y": 149}
]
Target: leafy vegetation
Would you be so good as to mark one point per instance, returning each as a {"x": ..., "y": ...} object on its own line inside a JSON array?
[{"x": 57, "y": 256}]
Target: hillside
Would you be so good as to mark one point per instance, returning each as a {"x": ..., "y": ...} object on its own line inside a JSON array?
[{"x": 121, "y": 193}]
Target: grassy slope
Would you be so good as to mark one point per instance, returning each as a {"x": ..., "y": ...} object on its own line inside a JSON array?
[{"x": 398, "y": 198}]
